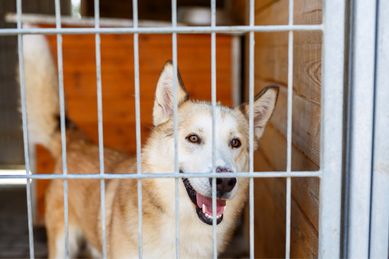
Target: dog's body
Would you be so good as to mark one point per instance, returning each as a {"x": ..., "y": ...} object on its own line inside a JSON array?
[
  {"x": 122, "y": 211},
  {"x": 158, "y": 202}
]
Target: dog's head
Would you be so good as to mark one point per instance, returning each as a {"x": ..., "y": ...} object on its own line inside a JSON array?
[{"x": 196, "y": 148}]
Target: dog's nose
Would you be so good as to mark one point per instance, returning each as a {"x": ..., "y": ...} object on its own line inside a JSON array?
[
  {"x": 223, "y": 185},
  {"x": 220, "y": 169}
]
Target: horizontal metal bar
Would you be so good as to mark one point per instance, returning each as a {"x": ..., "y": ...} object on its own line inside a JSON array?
[
  {"x": 280, "y": 174},
  {"x": 164, "y": 30}
]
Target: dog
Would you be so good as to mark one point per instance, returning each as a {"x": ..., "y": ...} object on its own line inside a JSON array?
[{"x": 194, "y": 136}]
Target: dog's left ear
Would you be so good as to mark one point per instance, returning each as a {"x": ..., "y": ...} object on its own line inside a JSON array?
[
  {"x": 164, "y": 98},
  {"x": 264, "y": 104}
]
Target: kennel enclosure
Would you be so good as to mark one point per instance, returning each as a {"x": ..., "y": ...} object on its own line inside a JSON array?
[{"x": 353, "y": 174}]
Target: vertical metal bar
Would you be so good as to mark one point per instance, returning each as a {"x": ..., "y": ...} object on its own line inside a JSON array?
[
  {"x": 361, "y": 127},
  {"x": 25, "y": 128},
  {"x": 331, "y": 128},
  {"x": 138, "y": 132},
  {"x": 379, "y": 235},
  {"x": 213, "y": 100},
  {"x": 175, "y": 126},
  {"x": 289, "y": 132},
  {"x": 100, "y": 127},
  {"x": 62, "y": 124},
  {"x": 251, "y": 127}
]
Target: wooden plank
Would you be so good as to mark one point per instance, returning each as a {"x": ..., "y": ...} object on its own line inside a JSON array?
[
  {"x": 269, "y": 238},
  {"x": 308, "y": 11},
  {"x": 271, "y": 12},
  {"x": 305, "y": 126},
  {"x": 271, "y": 66},
  {"x": 270, "y": 200},
  {"x": 304, "y": 235},
  {"x": 305, "y": 192}
]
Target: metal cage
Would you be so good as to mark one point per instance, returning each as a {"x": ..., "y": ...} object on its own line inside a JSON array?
[{"x": 364, "y": 232}]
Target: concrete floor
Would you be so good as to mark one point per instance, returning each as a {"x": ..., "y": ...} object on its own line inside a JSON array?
[{"x": 13, "y": 226}]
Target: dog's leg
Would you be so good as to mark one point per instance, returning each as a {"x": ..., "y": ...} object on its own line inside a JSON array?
[
  {"x": 55, "y": 226},
  {"x": 54, "y": 217},
  {"x": 94, "y": 253},
  {"x": 59, "y": 243}
]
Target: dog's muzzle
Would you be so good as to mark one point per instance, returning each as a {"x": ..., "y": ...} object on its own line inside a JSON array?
[
  {"x": 203, "y": 203},
  {"x": 223, "y": 185}
]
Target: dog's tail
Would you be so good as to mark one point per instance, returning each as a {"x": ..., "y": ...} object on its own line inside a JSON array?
[{"x": 41, "y": 93}]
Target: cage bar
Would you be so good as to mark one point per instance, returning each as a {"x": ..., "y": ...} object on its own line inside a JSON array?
[
  {"x": 331, "y": 128},
  {"x": 100, "y": 127},
  {"x": 137, "y": 125},
  {"x": 175, "y": 126},
  {"x": 62, "y": 125},
  {"x": 163, "y": 30},
  {"x": 379, "y": 233},
  {"x": 148, "y": 175},
  {"x": 251, "y": 127},
  {"x": 213, "y": 102},
  {"x": 362, "y": 125},
  {"x": 25, "y": 129},
  {"x": 289, "y": 132}
]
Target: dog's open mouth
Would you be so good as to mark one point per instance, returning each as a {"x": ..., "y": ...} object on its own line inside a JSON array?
[{"x": 204, "y": 204}]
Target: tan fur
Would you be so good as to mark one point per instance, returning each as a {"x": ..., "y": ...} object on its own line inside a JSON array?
[
  {"x": 41, "y": 93},
  {"x": 158, "y": 202},
  {"x": 122, "y": 207}
]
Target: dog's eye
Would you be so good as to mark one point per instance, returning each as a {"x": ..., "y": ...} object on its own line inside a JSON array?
[
  {"x": 193, "y": 138},
  {"x": 235, "y": 143}
]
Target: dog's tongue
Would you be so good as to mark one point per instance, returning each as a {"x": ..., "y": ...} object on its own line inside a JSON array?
[{"x": 207, "y": 202}]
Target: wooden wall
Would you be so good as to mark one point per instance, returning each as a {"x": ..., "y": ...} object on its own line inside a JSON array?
[
  {"x": 118, "y": 79},
  {"x": 147, "y": 9},
  {"x": 271, "y": 66}
]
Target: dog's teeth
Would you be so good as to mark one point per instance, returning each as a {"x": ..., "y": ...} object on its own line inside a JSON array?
[{"x": 203, "y": 208}]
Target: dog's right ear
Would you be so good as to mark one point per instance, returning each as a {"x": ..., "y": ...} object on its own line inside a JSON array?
[{"x": 164, "y": 98}]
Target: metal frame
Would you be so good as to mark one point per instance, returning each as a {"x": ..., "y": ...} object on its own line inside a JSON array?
[
  {"x": 331, "y": 129},
  {"x": 164, "y": 30},
  {"x": 379, "y": 232},
  {"x": 25, "y": 131},
  {"x": 62, "y": 122},
  {"x": 367, "y": 159},
  {"x": 330, "y": 174},
  {"x": 361, "y": 126}
]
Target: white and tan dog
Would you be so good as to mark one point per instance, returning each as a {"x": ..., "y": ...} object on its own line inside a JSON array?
[{"x": 195, "y": 155}]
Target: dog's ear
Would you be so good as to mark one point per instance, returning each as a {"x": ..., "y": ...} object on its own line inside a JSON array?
[
  {"x": 164, "y": 97},
  {"x": 264, "y": 104}
]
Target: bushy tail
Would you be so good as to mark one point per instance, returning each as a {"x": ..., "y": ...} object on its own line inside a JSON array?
[{"x": 41, "y": 93}]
